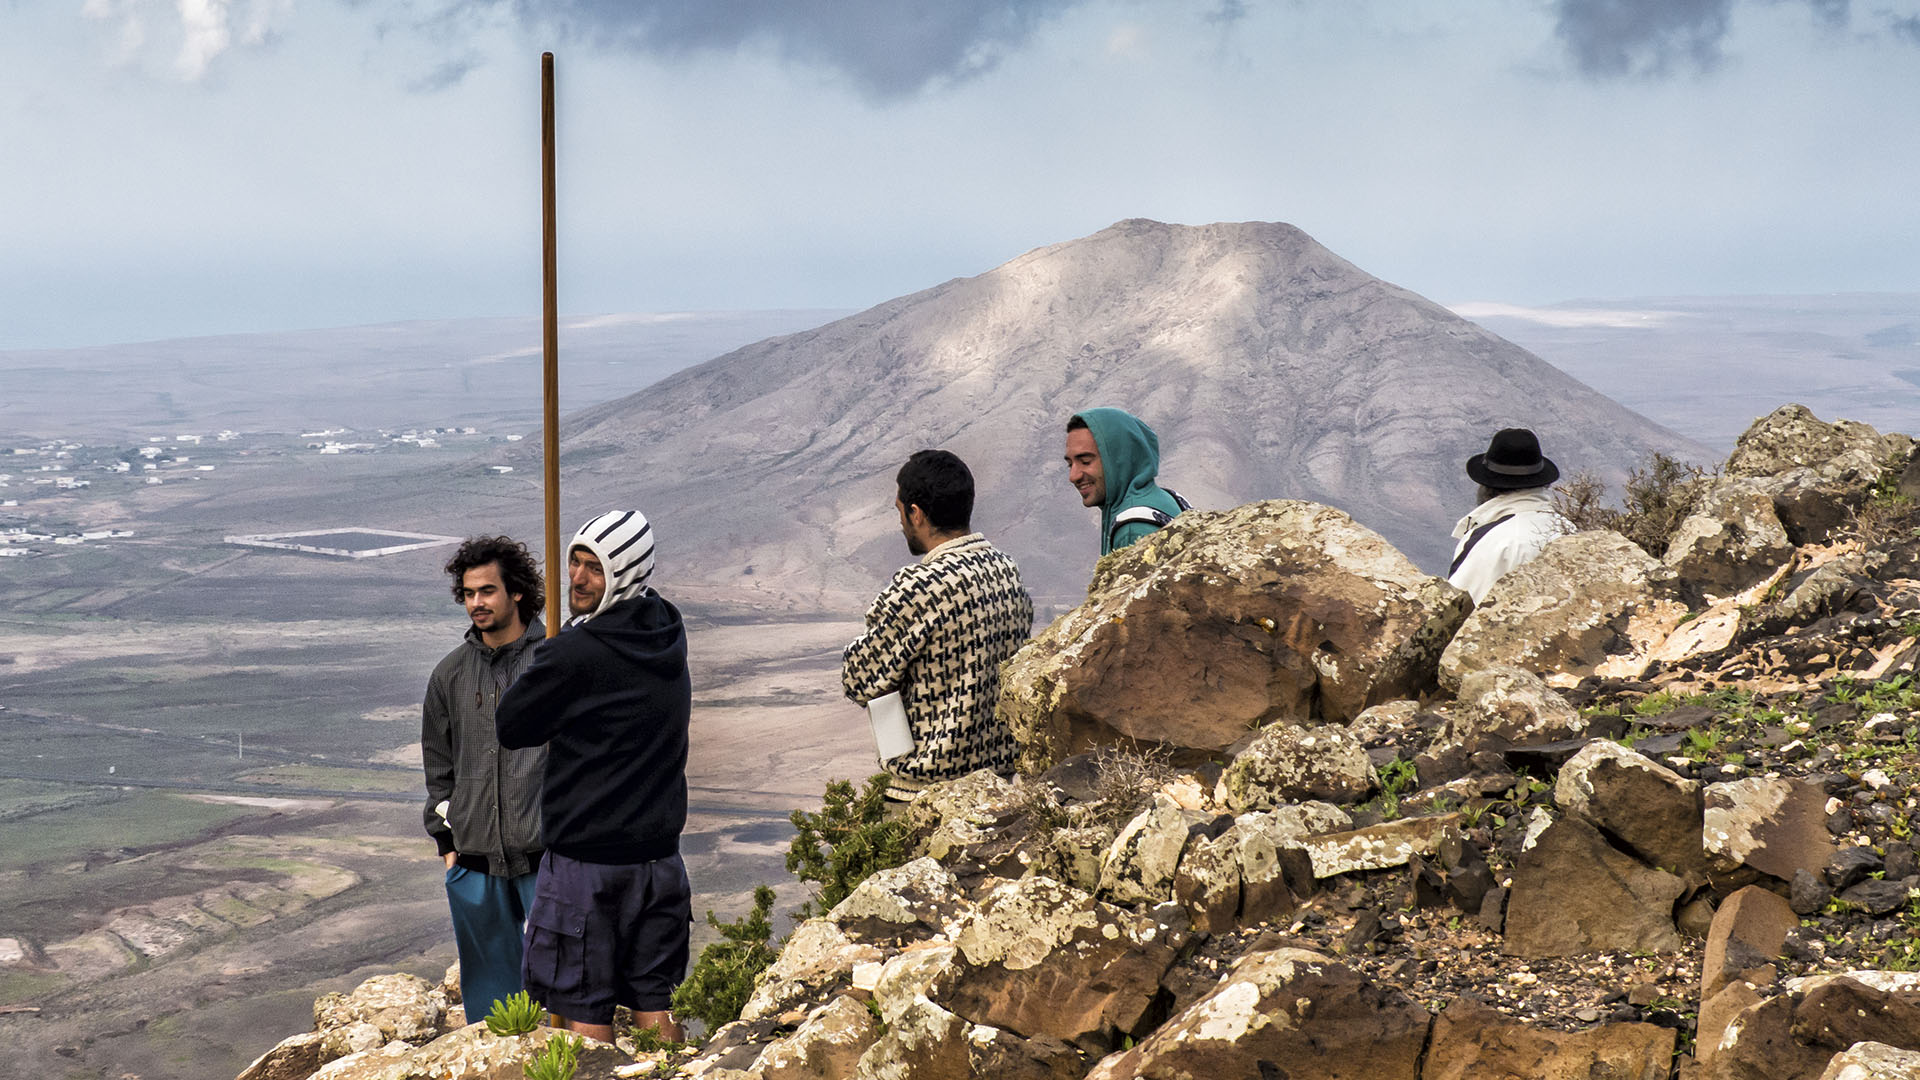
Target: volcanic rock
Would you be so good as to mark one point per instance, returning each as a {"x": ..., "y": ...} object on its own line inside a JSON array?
[
  {"x": 1045, "y": 959},
  {"x": 1223, "y": 622},
  {"x": 1644, "y": 805},
  {"x": 1732, "y": 539},
  {"x": 1746, "y": 934},
  {"x": 1873, "y": 1061},
  {"x": 1573, "y": 893},
  {"x": 1473, "y": 1042},
  {"x": 1286, "y": 764},
  {"x": 1288, "y": 1012},
  {"x": 1587, "y": 599},
  {"x": 826, "y": 1046},
  {"x": 1776, "y": 826},
  {"x": 1815, "y": 472}
]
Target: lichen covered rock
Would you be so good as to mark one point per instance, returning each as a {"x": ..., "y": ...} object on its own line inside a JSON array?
[{"x": 1222, "y": 622}]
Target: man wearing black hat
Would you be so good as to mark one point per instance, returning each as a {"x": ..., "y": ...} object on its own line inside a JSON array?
[{"x": 1515, "y": 518}]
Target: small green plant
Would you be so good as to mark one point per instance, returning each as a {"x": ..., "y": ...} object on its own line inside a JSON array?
[
  {"x": 515, "y": 1014},
  {"x": 879, "y": 1018},
  {"x": 1397, "y": 777},
  {"x": 558, "y": 1060},
  {"x": 1656, "y": 703},
  {"x": 722, "y": 979},
  {"x": 1901, "y": 956},
  {"x": 850, "y": 839},
  {"x": 648, "y": 1040},
  {"x": 1701, "y": 743}
]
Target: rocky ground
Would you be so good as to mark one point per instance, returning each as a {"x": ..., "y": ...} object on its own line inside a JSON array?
[{"x": 1289, "y": 808}]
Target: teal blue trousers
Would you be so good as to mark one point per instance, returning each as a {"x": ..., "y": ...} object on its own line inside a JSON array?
[{"x": 489, "y": 924}]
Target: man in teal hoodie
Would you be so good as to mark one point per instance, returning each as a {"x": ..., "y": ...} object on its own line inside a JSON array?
[{"x": 1112, "y": 458}]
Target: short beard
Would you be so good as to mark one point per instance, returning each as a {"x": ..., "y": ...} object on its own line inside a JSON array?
[{"x": 916, "y": 546}]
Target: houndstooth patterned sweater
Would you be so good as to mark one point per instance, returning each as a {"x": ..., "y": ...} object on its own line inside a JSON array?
[{"x": 938, "y": 634}]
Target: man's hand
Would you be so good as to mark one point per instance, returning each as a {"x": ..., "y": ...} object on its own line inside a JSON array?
[{"x": 450, "y": 856}]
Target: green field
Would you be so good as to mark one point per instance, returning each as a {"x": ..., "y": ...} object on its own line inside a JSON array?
[{"x": 140, "y": 819}]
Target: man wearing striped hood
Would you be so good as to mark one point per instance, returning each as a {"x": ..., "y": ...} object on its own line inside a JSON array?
[{"x": 610, "y": 698}]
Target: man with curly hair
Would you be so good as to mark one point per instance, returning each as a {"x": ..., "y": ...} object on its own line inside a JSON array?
[{"x": 483, "y": 800}]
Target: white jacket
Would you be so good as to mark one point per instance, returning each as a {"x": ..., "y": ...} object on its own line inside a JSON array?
[{"x": 1531, "y": 523}]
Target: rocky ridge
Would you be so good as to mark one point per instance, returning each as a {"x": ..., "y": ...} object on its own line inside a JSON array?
[{"x": 1630, "y": 817}]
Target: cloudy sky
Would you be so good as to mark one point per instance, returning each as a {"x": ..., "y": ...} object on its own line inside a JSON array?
[{"x": 176, "y": 167}]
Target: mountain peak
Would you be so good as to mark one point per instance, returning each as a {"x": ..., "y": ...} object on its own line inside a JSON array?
[{"x": 1269, "y": 366}]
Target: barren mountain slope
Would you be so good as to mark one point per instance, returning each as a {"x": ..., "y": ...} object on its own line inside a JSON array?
[{"x": 1268, "y": 365}]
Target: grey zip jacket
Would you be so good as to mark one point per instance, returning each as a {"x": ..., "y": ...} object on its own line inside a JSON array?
[{"x": 493, "y": 794}]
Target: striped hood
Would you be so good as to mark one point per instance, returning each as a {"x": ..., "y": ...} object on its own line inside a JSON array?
[{"x": 623, "y": 542}]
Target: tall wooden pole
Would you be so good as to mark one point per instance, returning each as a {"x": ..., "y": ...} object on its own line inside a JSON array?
[{"x": 550, "y": 350}]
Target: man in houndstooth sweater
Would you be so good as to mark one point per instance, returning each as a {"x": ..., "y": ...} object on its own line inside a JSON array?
[{"x": 940, "y": 630}]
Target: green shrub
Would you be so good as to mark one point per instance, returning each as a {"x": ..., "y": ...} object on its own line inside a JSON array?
[
  {"x": 722, "y": 979},
  {"x": 557, "y": 1060},
  {"x": 515, "y": 1014},
  {"x": 849, "y": 840}
]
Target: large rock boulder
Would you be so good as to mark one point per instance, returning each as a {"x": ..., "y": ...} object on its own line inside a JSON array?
[
  {"x": 1794, "y": 1036},
  {"x": 926, "y": 1042},
  {"x": 1222, "y": 622},
  {"x": 1140, "y": 866},
  {"x": 1287, "y": 764},
  {"x": 383, "y": 1009},
  {"x": 1573, "y": 893},
  {"x": 818, "y": 956},
  {"x": 292, "y": 1059},
  {"x": 1732, "y": 539},
  {"x": 1590, "y": 598},
  {"x": 1873, "y": 1061},
  {"x": 1474, "y": 1042},
  {"x": 472, "y": 1053},
  {"x": 1041, "y": 958},
  {"x": 1379, "y": 847},
  {"x": 827, "y": 1045},
  {"x": 1255, "y": 870},
  {"x": 1815, "y": 472},
  {"x": 1776, "y": 826},
  {"x": 1285, "y": 1012},
  {"x": 1501, "y": 707},
  {"x": 907, "y": 903},
  {"x": 1649, "y": 808},
  {"x": 1746, "y": 935}
]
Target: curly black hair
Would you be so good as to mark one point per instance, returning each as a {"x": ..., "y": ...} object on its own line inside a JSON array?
[{"x": 518, "y": 570}]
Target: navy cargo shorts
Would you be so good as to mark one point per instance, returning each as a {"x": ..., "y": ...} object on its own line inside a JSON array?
[{"x": 605, "y": 935}]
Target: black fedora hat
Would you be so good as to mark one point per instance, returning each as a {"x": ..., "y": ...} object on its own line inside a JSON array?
[{"x": 1512, "y": 461}]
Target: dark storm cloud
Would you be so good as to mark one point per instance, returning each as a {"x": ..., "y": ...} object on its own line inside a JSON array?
[
  {"x": 1633, "y": 37},
  {"x": 887, "y": 48},
  {"x": 1608, "y": 38}
]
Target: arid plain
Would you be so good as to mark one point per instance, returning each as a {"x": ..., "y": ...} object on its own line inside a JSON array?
[{"x": 210, "y": 793}]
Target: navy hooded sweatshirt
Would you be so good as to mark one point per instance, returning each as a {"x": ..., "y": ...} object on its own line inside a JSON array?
[{"x": 611, "y": 698}]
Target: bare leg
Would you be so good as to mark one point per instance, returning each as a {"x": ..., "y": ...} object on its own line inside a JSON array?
[
  {"x": 661, "y": 1022},
  {"x": 602, "y": 1032}
]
